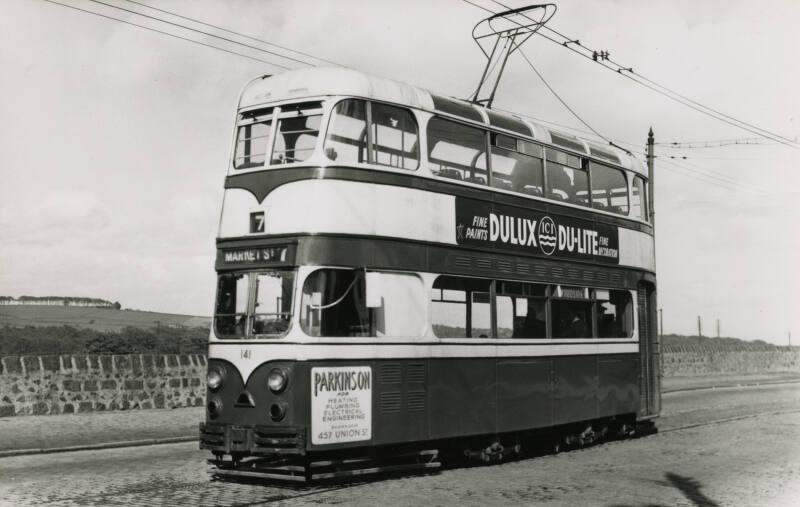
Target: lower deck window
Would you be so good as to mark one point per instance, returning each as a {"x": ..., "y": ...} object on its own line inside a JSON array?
[
  {"x": 230, "y": 315},
  {"x": 571, "y": 319},
  {"x": 334, "y": 304},
  {"x": 461, "y": 307},
  {"x": 254, "y": 305},
  {"x": 480, "y": 308}
]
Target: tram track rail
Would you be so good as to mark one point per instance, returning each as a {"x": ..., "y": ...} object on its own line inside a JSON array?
[{"x": 726, "y": 420}]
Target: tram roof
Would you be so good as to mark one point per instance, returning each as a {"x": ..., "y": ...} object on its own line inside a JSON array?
[{"x": 335, "y": 81}]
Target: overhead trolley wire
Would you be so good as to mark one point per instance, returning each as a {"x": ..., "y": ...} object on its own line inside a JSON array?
[
  {"x": 628, "y": 73},
  {"x": 168, "y": 34},
  {"x": 262, "y": 41},
  {"x": 718, "y": 143},
  {"x": 161, "y": 20},
  {"x": 598, "y": 134},
  {"x": 621, "y": 68}
]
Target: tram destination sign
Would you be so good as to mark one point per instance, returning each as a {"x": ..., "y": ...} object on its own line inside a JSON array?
[
  {"x": 517, "y": 230},
  {"x": 253, "y": 256}
]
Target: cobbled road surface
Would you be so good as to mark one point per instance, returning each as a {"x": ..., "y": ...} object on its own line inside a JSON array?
[{"x": 720, "y": 447}]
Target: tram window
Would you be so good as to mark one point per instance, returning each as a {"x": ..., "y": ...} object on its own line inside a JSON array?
[
  {"x": 251, "y": 145},
  {"x": 638, "y": 199},
  {"x": 571, "y": 318},
  {"x": 334, "y": 304},
  {"x": 614, "y": 311},
  {"x": 394, "y": 137},
  {"x": 521, "y": 310},
  {"x": 609, "y": 189},
  {"x": 273, "y": 303},
  {"x": 513, "y": 170},
  {"x": 297, "y": 132},
  {"x": 403, "y": 310},
  {"x": 346, "y": 140},
  {"x": 567, "y": 184},
  {"x": 230, "y": 315},
  {"x": 457, "y": 151},
  {"x": 480, "y": 315},
  {"x": 461, "y": 307}
]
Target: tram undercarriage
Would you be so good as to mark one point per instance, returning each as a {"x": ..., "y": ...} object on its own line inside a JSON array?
[{"x": 294, "y": 465}]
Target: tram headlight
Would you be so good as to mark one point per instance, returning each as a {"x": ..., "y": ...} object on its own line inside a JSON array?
[
  {"x": 277, "y": 380},
  {"x": 214, "y": 379}
]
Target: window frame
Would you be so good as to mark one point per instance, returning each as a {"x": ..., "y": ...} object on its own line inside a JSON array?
[
  {"x": 371, "y": 149},
  {"x": 250, "y": 313},
  {"x": 473, "y": 167},
  {"x": 274, "y": 118},
  {"x": 591, "y": 165},
  {"x": 549, "y": 297}
]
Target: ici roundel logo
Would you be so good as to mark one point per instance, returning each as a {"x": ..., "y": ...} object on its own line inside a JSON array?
[{"x": 547, "y": 235}]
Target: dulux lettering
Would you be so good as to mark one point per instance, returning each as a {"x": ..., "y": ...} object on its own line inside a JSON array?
[{"x": 516, "y": 231}]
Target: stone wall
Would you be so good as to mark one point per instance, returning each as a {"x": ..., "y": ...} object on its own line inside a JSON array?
[
  {"x": 33, "y": 385},
  {"x": 709, "y": 362}
]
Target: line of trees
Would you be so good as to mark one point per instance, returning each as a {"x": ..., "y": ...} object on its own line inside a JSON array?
[{"x": 34, "y": 340}]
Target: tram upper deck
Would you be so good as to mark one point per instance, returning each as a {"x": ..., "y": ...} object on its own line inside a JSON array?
[{"x": 339, "y": 152}]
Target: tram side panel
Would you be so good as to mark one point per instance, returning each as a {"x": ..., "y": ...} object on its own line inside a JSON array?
[{"x": 524, "y": 393}]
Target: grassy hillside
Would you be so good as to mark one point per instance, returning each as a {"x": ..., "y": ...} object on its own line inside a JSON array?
[{"x": 97, "y": 319}]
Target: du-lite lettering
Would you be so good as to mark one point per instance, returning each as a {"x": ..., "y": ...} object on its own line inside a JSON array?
[
  {"x": 575, "y": 239},
  {"x": 512, "y": 230}
]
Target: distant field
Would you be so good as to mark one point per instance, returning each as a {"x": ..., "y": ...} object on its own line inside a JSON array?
[{"x": 98, "y": 319}]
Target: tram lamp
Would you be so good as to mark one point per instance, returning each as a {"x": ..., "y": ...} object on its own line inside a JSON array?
[
  {"x": 214, "y": 379},
  {"x": 214, "y": 407},
  {"x": 277, "y": 411},
  {"x": 277, "y": 380}
]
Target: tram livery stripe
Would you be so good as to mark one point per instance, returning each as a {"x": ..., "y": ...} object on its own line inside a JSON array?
[{"x": 258, "y": 353}]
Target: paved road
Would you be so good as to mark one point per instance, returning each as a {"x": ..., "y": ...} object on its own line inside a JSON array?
[{"x": 749, "y": 456}]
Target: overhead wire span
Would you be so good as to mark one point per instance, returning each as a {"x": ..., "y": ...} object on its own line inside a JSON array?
[
  {"x": 233, "y": 32},
  {"x": 628, "y": 73},
  {"x": 168, "y": 34},
  {"x": 563, "y": 102},
  {"x": 717, "y": 143},
  {"x": 161, "y": 20}
]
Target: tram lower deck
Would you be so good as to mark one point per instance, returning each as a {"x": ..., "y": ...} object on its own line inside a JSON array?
[{"x": 311, "y": 393}]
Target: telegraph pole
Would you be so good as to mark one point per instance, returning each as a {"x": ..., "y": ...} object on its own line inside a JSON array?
[
  {"x": 699, "y": 326},
  {"x": 651, "y": 177},
  {"x": 661, "y": 322},
  {"x": 717, "y": 328}
]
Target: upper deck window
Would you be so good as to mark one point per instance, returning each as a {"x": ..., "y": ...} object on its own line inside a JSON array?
[
  {"x": 517, "y": 165},
  {"x": 566, "y": 181},
  {"x": 393, "y": 135},
  {"x": 609, "y": 189},
  {"x": 457, "y": 151},
  {"x": 251, "y": 138},
  {"x": 639, "y": 199},
  {"x": 297, "y": 132}
]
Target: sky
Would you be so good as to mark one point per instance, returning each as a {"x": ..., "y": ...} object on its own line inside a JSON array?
[{"x": 115, "y": 139}]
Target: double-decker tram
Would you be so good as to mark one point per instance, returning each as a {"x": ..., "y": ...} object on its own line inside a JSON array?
[{"x": 402, "y": 275}]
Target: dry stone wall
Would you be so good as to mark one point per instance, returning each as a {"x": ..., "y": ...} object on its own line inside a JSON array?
[
  {"x": 718, "y": 362},
  {"x": 35, "y": 385}
]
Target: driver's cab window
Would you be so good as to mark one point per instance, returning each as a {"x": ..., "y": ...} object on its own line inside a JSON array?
[{"x": 272, "y": 308}]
